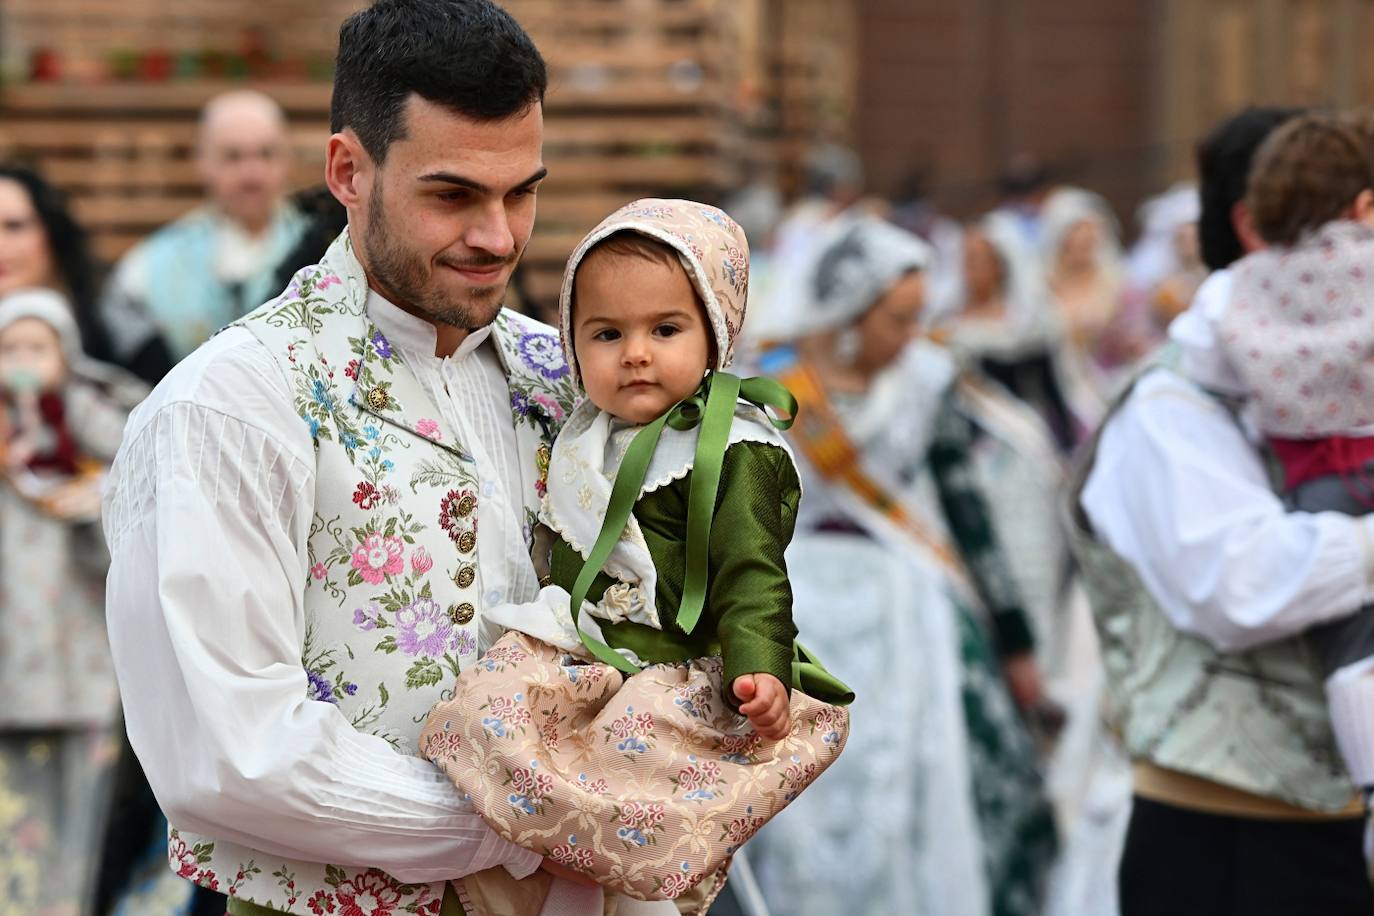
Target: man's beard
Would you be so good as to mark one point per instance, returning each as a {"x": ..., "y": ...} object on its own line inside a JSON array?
[{"x": 403, "y": 275}]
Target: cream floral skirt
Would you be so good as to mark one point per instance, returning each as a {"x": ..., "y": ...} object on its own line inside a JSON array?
[{"x": 647, "y": 784}]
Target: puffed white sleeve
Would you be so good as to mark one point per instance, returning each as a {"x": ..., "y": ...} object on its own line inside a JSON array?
[
  {"x": 207, "y": 513},
  {"x": 1180, "y": 493}
]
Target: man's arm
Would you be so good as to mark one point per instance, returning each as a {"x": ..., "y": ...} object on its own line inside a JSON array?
[
  {"x": 1179, "y": 493},
  {"x": 207, "y": 515}
]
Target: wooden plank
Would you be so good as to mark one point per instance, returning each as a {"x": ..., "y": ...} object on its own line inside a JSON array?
[
  {"x": 1265, "y": 52},
  {"x": 561, "y": 134},
  {"x": 188, "y": 96},
  {"x": 1348, "y": 40},
  {"x": 1309, "y": 53},
  {"x": 1233, "y": 34},
  {"x": 43, "y": 134}
]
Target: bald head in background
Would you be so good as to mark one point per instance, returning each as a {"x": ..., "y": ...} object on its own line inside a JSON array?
[{"x": 243, "y": 154}]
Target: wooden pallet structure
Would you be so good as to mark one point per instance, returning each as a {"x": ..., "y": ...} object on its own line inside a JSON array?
[{"x": 647, "y": 97}]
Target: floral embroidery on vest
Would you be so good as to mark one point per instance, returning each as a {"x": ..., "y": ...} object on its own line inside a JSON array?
[{"x": 392, "y": 587}]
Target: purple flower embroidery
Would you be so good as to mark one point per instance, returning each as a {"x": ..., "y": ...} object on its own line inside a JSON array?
[
  {"x": 319, "y": 688},
  {"x": 542, "y": 353},
  {"x": 381, "y": 345},
  {"x": 520, "y": 403},
  {"x": 466, "y": 644},
  {"x": 367, "y": 617},
  {"x": 425, "y": 628}
]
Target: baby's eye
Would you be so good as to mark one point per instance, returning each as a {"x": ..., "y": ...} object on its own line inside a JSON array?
[
  {"x": 667, "y": 330},
  {"x": 606, "y": 335}
]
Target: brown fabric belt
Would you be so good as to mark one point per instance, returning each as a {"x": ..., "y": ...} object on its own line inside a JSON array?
[{"x": 1197, "y": 794}]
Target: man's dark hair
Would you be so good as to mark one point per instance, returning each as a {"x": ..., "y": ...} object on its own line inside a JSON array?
[
  {"x": 1223, "y": 165},
  {"x": 469, "y": 56}
]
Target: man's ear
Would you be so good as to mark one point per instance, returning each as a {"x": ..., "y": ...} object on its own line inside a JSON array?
[
  {"x": 1244, "y": 225},
  {"x": 347, "y": 168}
]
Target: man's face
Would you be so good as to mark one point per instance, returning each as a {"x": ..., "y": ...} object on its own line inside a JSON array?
[
  {"x": 446, "y": 217},
  {"x": 245, "y": 163}
]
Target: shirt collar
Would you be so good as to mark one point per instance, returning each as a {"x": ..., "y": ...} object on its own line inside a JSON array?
[{"x": 412, "y": 333}]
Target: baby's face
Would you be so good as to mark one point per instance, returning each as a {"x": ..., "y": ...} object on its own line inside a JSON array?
[
  {"x": 639, "y": 334},
  {"x": 31, "y": 356}
]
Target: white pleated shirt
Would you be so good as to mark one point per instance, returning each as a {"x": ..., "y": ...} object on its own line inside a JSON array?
[{"x": 207, "y": 513}]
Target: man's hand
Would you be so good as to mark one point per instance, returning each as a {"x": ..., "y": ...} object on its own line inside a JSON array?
[
  {"x": 567, "y": 874},
  {"x": 763, "y": 699},
  {"x": 1023, "y": 679}
]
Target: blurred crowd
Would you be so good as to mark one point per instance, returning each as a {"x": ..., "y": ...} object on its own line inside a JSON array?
[{"x": 968, "y": 362}]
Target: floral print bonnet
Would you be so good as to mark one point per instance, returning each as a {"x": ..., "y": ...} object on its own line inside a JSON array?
[{"x": 713, "y": 252}]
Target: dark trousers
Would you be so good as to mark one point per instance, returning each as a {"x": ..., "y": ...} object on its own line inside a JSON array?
[{"x": 1179, "y": 863}]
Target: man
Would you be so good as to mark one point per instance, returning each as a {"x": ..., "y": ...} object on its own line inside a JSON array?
[
  {"x": 1200, "y": 583},
  {"x": 294, "y": 519},
  {"x": 212, "y": 266}
]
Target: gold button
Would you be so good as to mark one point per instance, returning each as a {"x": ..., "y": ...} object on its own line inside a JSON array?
[
  {"x": 465, "y": 577},
  {"x": 467, "y": 541},
  {"x": 377, "y": 398},
  {"x": 461, "y": 614},
  {"x": 466, "y": 505}
]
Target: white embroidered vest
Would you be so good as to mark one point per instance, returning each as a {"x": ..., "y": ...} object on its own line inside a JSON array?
[
  {"x": 392, "y": 598},
  {"x": 1256, "y": 721}
]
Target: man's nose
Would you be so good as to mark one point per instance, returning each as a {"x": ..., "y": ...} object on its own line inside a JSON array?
[{"x": 490, "y": 232}]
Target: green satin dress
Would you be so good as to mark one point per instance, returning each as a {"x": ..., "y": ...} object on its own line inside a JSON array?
[{"x": 748, "y": 614}]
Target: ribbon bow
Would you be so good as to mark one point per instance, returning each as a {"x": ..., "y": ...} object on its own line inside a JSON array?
[{"x": 712, "y": 407}]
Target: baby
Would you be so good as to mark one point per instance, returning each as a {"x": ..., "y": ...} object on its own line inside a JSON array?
[
  {"x": 63, "y": 416},
  {"x": 1298, "y": 331},
  {"x": 671, "y": 497}
]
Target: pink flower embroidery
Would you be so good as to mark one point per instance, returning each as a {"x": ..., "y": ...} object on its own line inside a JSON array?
[
  {"x": 530, "y": 787},
  {"x": 429, "y": 429},
  {"x": 551, "y": 406},
  {"x": 327, "y": 281},
  {"x": 571, "y": 856},
  {"x": 182, "y": 858},
  {"x": 370, "y": 894},
  {"x": 442, "y": 744},
  {"x": 420, "y": 561},
  {"x": 698, "y": 775},
  {"x": 676, "y": 885},
  {"x": 641, "y": 816},
  {"x": 741, "y": 829},
  {"x": 379, "y": 557},
  {"x": 319, "y": 570}
]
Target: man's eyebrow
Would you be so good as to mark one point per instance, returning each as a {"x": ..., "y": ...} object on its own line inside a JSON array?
[{"x": 477, "y": 186}]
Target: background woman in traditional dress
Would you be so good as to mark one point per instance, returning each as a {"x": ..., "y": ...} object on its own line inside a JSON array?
[
  {"x": 938, "y": 806},
  {"x": 41, "y": 245},
  {"x": 61, "y": 418},
  {"x": 1006, "y": 327}
]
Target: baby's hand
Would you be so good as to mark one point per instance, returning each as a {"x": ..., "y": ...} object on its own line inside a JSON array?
[{"x": 763, "y": 699}]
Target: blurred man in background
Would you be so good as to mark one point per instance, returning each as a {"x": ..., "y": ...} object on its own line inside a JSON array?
[{"x": 194, "y": 276}]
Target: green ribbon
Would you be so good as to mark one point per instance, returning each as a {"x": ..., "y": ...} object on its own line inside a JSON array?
[{"x": 713, "y": 408}]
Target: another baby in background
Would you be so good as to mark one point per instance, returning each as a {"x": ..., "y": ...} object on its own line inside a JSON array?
[
  {"x": 63, "y": 414},
  {"x": 1300, "y": 333}
]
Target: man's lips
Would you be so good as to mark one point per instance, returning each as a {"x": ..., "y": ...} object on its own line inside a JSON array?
[{"x": 484, "y": 274}]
